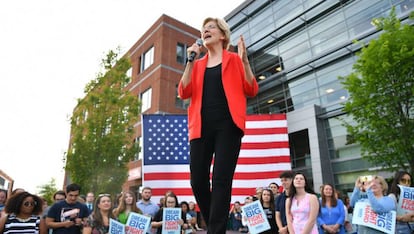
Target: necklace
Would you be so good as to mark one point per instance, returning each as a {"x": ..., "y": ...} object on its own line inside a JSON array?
[{"x": 23, "y": 220}]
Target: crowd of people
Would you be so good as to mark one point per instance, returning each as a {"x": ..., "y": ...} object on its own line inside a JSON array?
[
  {"x": 291, "y": 207},
  {"x": 299, "y": 209}
]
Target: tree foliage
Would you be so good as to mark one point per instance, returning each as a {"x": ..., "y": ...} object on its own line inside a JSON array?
[
  {"x": 102, "y": 128},
  {"x": 47, "y": 190},
  {"x": 381, "y": 101}
]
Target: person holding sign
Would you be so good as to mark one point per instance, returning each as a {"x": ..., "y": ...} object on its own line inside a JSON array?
[
  {"x": 171, "y": 201},
  {"x": 302, "y": 207},
  {"x": 331, "y": 216},
  {"x": 127, "y": 204},
  {"x": 98, "y": 220},
  {"x": 376, "y": 188},
  {"x": 267, "y": 200},
  {"x": 405, "y": 215}
]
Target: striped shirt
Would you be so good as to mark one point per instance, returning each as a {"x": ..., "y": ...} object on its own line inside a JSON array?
[{"x": 15, "y": 225}]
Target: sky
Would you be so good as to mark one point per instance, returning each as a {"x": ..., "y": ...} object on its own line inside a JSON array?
[{"x": 49, "y": 51}]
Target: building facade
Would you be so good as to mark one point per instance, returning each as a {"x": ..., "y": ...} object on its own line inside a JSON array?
[
  {"x": 6, "y": 182},
  {"x": 158, "y": 59},
  {"x": 298, "y": 49}
]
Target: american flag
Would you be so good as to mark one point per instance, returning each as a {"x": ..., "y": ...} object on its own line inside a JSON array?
[{"x": 263, "y": 156}]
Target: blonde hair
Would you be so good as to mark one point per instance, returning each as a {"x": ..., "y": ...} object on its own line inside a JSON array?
[
  {"x": 224, "y": 28},
  {"x": 383, "y": 183}
]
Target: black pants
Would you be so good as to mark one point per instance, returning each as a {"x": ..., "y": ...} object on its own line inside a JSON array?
[{"x": 223, "y": 139}]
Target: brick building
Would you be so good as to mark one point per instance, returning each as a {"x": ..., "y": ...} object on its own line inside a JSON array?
[
  {"x": 158, "y": 60},
  {"x": 6, "y": 182}
]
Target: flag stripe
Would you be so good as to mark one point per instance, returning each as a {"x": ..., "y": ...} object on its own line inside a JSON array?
[
  {"x": 260, "y": 131},
  {"x": 185, "y": 183},
  {"x": 261, "y": 145},
  {"x": 264, "y": 154},
  {"x": 265, "y": 138},
  {"x": 264, "y": 160},
  {"x": 237, "y": 176}
]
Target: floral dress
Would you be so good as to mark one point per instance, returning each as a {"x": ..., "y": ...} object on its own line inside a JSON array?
[
  {"x": 96, "y": 229},
  {"x": 300, "y": 215}
]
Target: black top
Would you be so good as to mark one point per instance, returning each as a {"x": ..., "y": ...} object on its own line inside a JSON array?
[
  {"x": 214, "y": 103},
  {"x": 158, "y": 218},
  {"x": 62, "y": 211},
  {"x": 281, "y": 207},
  {"x": 271, "y": 218}
]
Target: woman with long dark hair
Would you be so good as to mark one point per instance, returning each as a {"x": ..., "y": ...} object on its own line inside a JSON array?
[
  {"x": 98, "y": 220},
  {"x": 405, "y": 222},
  {"x": 170, "y": 201},
  {"x": 267, "y": 199},
  {"x": 331, "y": 218},
  {"x": 127, "y": 204},
  {"x": 302, "y": 207}
]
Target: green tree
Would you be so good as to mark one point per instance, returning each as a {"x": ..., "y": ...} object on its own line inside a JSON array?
[
  {"x": 102, "y": 129},
  {"x": 47, "y": 190},
  {"x": 381, "y": 100}
]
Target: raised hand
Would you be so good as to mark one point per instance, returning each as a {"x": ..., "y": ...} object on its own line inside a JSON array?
[{"x": 242, "y": 50}]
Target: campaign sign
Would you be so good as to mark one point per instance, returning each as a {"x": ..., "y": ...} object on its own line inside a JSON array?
[
  {"x": 256, "y": 217},
  {"x": 364, "y": 215},
  {"x": 170, "y": 221},
  {"x": 406, "y": 200},
  {"x": 137, "y": 223},
  {"x": 116, "y": 227}
]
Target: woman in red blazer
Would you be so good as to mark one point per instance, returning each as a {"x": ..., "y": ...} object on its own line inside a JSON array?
[{"x": 218, "y": 85}]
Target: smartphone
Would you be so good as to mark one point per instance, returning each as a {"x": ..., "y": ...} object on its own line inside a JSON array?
[{"x": 365, "y": 178}]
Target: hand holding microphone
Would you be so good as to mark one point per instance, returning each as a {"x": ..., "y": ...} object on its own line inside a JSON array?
[{"x": 193, "y": 52}]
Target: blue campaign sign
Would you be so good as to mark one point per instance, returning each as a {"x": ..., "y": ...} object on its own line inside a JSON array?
[
  {"x": 406, "y": 201},
  {"x": 170, "y": 221},
  {"x": 116, "y": 227},
  {"x": 364, "y": 215},
  {"x": 256, "y": 217},
  {"x": 137, "y": 223}
]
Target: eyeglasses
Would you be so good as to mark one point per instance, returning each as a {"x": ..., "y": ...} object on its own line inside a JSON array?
[
  {"x": 405, "y": 181},
  {"x": 27, "y": 204},
  {"x": 208, "y": 27}
]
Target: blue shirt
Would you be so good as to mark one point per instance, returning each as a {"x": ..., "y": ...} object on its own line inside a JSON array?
[
  {"x": 381, "y": 205},
  {"x": 332, "y": 215},
  {"x": 148, "y": 208}
]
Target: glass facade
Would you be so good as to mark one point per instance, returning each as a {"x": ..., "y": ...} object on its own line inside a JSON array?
[{"x": 298, "y": 49}]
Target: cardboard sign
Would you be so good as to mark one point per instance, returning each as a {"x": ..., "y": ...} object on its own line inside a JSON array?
[
  {"x": 137, "y": 223},
  {"x": 116, "y": 227},
  {"x": 256, "y": 217},
  {"x": 364, "y": 215},
  {"x": 170, "y": 221},
  {"x": 406, "y": 200}
]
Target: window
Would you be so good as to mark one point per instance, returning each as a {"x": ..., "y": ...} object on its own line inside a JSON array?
[
  {"x": 181, "y": 53},
  {"x": 139, "y": 154},
  {"x": 147, "y": 59},
  {"x": 146, "y": 99}
]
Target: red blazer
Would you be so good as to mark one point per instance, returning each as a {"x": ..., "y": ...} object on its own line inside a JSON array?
[{"x": 236, "y": 88}]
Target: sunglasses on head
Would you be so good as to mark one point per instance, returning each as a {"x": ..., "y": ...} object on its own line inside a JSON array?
[{"x": 27, "y": 204}]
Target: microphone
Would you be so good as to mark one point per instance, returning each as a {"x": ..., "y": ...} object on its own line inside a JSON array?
[{"x": 193, "y": 54}]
